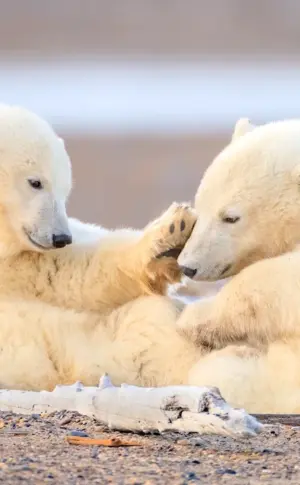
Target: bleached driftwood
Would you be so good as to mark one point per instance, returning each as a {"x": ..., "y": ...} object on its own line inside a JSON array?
[{"x": 176, "y": 408}]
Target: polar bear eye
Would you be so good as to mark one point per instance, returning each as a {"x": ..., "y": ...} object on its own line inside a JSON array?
[
  {"x": 231, "y": 219},
  {"x": 35, "y": 184}
]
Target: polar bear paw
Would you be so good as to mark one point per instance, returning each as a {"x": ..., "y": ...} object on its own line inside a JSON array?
[
  {"x": 172, "y": 230},
  {"x": 166, "y": 237}
]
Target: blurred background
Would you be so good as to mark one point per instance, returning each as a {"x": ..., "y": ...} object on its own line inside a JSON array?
[{"x": 146, "y": 92}]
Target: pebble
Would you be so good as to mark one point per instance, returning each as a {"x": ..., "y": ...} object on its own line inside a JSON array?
[
  {"x": 182, "y": 442},
  {"x": 76, "y": 432},
  {"x": 226, "y": 471},
  {"x": 94, "y": 452},
  {"x": 65, "y": 421},
  {"x": 190, "y": 442},
  {"x": 22, "y": 468},
  {"x": 15, "y": 432},
  {"x": 197, "y": 442},
  {"x": 191, "y": 476}
]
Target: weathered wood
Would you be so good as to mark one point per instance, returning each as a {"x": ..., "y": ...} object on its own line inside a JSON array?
[{"x": 184, "y": 409}]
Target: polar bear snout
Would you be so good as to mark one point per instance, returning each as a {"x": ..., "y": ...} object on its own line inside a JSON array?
[
  {"x": 61, "y": 240},
  {"x": 50, "y": 229}
]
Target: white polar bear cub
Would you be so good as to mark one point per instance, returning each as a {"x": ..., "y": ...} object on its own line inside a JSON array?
[
  {"x": 35, "y": 181},
  {"x": 101, "y": 271},
  {"x": 248, "y": 227},
  {"x": 248, "y": 202}
]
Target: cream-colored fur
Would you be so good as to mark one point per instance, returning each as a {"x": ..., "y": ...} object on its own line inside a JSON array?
[
  {"x": 258, "y": 309},
  {"x": 103, "y": 274},
  {"x": 257, "y": 178},
  {"x": 254, "y": 181},
  {"x": 97, "y": 306},
  {"x": 258, "y": 306},
  {"x": 31, "y": 153},
  {"x": 138, "y": 344},
  {"x": 102, "y": 269}
]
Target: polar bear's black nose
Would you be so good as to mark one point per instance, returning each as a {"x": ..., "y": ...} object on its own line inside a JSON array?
[
  {"x": 61, "y": 240},
  {"x": 188, "y": 271}
]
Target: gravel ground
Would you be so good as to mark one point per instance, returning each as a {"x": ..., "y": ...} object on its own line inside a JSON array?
[{"x": 33, "y": 449}]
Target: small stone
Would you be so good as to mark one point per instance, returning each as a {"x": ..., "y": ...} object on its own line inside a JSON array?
[
  {"x": 226, "y": 471},
  {"x": 94, "y": 452},
  {"x": 65, "y": 421},
  {"x": 197, "y": 442},
  {"x": 100, "y": 429},
  {"x": 191, "y": 476},
  {"x": 22, "y": 468},
  {"x": 183, "y": 442},
  {"x": 76, "y": 432},
  {"x": 35, "y": 416},
  {"x": 16, "y": 432}
]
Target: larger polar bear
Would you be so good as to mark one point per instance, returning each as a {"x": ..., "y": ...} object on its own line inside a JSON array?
[
  {"x": 248, "y": 207},
  {"x": 97, "y": 305}
]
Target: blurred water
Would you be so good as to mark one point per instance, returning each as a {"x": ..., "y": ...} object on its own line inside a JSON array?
[{"x": 116, "y": 97}]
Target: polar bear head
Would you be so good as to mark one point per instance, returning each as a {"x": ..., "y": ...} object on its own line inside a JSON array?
[
  {"x": 35, "y": 181},
  {"x": 248, "y": 202}
]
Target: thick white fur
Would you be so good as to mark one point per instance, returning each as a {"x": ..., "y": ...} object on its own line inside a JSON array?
[
  {"x": 257, "y": 178},
  {"x": 30, "y": 217},
  {"x": 91, "y": 308}
]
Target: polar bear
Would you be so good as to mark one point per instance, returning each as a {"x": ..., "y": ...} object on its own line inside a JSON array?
[
  {"x": 247, "y": 202},
  {"x": 248, "y": 207},
  {"x": 35, "y": 178},
  {"x": 101, "y": 269},
  {"x": 44, "y": 273},
  {"x": 98, "y": 305}
]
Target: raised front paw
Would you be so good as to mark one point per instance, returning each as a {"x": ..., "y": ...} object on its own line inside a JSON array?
[{"x": 171, "y": 231}]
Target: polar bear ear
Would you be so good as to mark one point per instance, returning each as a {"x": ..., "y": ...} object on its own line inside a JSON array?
[{"x": 242, "y": 127}]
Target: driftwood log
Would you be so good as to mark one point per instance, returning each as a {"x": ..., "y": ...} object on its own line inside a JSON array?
[{"x": 183, "y": 409}]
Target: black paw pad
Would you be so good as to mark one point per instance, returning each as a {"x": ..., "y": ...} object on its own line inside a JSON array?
[
  {"x": 170, "y": 253},
  {"x": 182, "y": 225},
  {"x": 172, "y": 228}
]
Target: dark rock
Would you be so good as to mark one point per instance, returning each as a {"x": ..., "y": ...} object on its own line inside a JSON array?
[
  {"x": 76, "y": 432},
  {"x": 191, "y": 476},
  {"x": 226, "y": 471}
]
